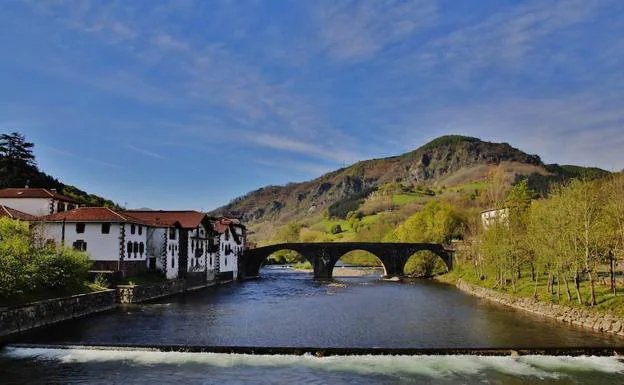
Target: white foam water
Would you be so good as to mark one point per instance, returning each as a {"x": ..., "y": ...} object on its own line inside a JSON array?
[{"x": 542, "y": 367}]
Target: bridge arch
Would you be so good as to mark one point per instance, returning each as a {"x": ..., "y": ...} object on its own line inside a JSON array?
[
  {"x": 359, "y": 257},
  {"x": 324, "y": 255},
  {"x": 423, "y": 264}
]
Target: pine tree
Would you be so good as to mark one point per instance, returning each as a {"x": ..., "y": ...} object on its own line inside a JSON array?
[{"x": 17, "y": 161}]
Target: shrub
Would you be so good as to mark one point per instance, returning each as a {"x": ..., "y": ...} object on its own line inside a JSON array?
[
  {"x": 336, "y": 229},
  {"x": 27, "y": 269}
]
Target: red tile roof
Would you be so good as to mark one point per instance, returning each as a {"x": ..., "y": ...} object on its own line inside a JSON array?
[
  {"x": 34, "y": 193},
  {"x": 8, "y": 212},
  {"x": 223, "y": 223},
  {"x": 186, "y": 219},
  {"x": 91, "y": 214}
]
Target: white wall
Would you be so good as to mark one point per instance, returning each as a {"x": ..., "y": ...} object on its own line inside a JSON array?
[
  {"x": 229, "y": 261},
  {"x": 136, "y": 237},
  {"x": 101, "y": 247},
  {"x": 199, "y": 262},
  {"x": 173, "y": 249},
  {"x": 32, "y": 206}
]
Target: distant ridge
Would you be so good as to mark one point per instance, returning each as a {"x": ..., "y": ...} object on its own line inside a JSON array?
[{"x": 447, "y": 160}]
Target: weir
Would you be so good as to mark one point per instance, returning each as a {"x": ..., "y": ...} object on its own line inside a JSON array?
[{"x": 333, "y": 351}]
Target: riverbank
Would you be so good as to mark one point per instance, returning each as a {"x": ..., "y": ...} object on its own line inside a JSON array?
[
  {"x": 587, "y": 318},
  {"x": 19, "y": 319},
  {"x": 346, "y": 271}
]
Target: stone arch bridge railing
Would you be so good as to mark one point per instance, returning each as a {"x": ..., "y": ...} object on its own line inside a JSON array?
[{"x": 323, "y": 256}]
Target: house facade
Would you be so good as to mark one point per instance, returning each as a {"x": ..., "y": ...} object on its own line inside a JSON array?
[
  {"x": 230, "y": 247},
  {"x": 37, "y": 201},
  {"x": 181, "y": 243},
  {"x": 490, "y": 217},
  {"x": 114, "y": 240}
]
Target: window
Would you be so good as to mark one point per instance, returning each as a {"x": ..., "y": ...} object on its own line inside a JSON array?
[
  {"x": 136, "y": 248},
  {"x": 225, "y": 261},
  {"x": 210, "y": 261},
  {"x": 172, "y": 233},
  {"x": 129, "y": 248},
  {"x": 172, "y": 262},
  {"x": 80, "y": 245},
  {"x": 141, "y": 248},
  {"x": 80, "y": 228},
  {"x": 60, "y": 207},
  {"x": 227, "y": 235},
  {"x": 140, "y": 230},
  {"x": 132, "y": 229},
  {"x": 70, "y": 206},
  {"x": 105, "y": 228}
]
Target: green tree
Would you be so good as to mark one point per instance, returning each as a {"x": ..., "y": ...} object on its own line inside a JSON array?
[
  {"x": 437, "y": 222},
  {"x": 613, "y": 216}
]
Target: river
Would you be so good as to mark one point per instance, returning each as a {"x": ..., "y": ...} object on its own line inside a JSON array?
[{"x": 286, "y": 308}]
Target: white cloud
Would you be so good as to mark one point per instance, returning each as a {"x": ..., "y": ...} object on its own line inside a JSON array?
[{"x": 145, "y": 152}]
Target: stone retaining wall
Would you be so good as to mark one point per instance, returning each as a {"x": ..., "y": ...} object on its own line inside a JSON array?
[
  {"x": 591, "y": 319},
  {"x": 136, "y": 294},
  {"x": 41, "y": 313}
]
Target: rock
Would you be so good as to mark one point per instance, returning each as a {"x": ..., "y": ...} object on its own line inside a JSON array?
[{"x": 616, "y": 326}]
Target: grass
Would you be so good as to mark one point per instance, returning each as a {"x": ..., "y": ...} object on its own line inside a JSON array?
[
  {"x": 25, "y": 298},
  {"x": 469, "y": 187},
  {"x": 605, "y": 300},
  {"x": 410, "y": 197}
]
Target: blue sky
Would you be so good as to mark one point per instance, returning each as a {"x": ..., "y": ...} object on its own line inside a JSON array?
[{"x": 190, "y": 103}]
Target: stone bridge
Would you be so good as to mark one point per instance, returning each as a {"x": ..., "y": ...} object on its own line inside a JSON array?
[{"x": 323, "y": 256}]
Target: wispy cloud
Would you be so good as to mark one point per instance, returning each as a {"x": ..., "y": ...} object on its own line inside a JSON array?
[
  {"x": 357, "y": 30},
  {"x": 62, "y": 152},
  {"x": 145, "y": 152}
]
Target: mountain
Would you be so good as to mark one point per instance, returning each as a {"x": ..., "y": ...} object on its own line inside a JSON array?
[{"x": 446, "y": 161}]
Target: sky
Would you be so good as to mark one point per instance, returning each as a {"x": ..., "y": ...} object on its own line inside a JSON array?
[{"x": 187, "y": 104}]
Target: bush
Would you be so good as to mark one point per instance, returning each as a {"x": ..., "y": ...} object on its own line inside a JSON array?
[
  {"x": 26, "y": 269},
  {"x": 336, "y": 229}
]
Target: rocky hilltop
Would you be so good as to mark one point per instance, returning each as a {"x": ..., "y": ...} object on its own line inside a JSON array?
[{"x": 448, "y": 160}]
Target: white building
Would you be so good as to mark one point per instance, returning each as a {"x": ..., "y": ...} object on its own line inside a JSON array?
[
  {"x": 36, "y": 201},
  {"x": 489, "y": 217},
  {"x": 181, "y": 243},
  {"x": 232, "y": 235},
  {"x": 115, "y": 241}
]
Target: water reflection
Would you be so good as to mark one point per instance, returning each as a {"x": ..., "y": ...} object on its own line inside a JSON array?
[{"x": 286, "y": 308}]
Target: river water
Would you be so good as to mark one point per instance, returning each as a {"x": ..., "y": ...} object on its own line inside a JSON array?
[{"x": 286, "y": 308}]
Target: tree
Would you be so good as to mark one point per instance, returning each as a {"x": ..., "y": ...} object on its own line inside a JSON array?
[
  {"x": 17, "y": 161},
  {"x": 583, "y": 203},
  {"x": 14, "y": 147},
  {"x": 437, "y": 222},
  {"x": 493, "y": 195},
  {"x": 613, "y": 216}
]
